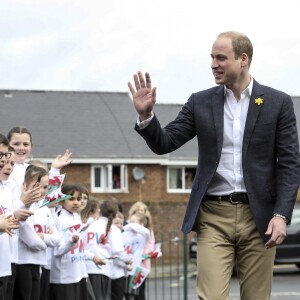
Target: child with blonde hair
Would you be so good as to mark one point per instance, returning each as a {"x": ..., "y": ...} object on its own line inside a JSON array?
[
  {"x": 141, "y": 207},
  {"x": 135, "y": 236}
]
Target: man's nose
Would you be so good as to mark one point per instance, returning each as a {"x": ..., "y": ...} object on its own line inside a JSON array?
[{"x": 214, "y": 64}]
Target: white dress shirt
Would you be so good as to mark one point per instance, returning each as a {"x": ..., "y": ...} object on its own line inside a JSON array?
[{"x": 229, "y": 175}]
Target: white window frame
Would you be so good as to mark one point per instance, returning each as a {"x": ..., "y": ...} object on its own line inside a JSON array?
[
  {"x": 178, "y": 190},
  {"x": 106, "y": 177}
]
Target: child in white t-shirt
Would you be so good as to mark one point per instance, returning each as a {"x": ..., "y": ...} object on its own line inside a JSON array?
[
  {"x": 104, "y": 241},
  {"x": 135, "y": 237},
  {"x": 35, "y": 234},
  {"x": 68, "y": 270},
  {"x": 10, "y": 215}
]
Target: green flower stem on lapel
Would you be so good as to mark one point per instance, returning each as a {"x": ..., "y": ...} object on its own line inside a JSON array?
[{"x": 259, "y": 101}]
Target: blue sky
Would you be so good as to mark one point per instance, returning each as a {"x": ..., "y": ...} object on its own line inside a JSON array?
[{"x": 97, "y": 45}]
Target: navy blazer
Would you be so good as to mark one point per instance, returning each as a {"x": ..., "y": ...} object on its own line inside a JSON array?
[{"x": 270, "y": 151}]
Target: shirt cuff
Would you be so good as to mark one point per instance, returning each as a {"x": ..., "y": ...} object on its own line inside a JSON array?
[{"x": 145, "y": 123}]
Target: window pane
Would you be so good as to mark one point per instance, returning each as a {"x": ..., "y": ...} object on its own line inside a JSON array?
[
  {"x": 106, "y": 177},
  {"x": 116, "y": 180},
  {"x": 175, "y": 178},
  {"x": 189, "y": 177},
  {"x": 97, "y": 174}
]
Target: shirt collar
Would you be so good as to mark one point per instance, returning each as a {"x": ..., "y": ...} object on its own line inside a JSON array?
[{"x": 247, "y": 91}]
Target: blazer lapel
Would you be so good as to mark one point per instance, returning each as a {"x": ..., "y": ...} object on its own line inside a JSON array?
[
  {"x": 218, "y": 114},
  {"x": 253, "y": 113}
]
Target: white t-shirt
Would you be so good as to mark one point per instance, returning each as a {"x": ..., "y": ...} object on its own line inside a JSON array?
[
  {"x": 110, "y": 248},
  {"x": 31, "y": 248},
  {"x": 5, "y": 259},
  {"x": 68, "y": 260},
  {"x": 135, "y": 237},
  {"x": 6, "y": 199}
]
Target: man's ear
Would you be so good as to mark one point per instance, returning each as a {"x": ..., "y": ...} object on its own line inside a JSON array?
[{"x": 244, "y": 60}]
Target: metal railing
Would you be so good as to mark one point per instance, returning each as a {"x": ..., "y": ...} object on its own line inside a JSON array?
[{"x": 168, "y": 279}]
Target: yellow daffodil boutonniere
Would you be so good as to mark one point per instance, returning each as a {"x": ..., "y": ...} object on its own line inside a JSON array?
[{"x": 259, "y": 101}]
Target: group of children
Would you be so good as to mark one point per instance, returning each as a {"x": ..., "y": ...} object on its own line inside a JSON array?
[{"x": 55, "y": 243}]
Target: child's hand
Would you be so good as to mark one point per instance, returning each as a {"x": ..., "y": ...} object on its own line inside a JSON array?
[
  {"x": 129, "y": 267},
  {"x": 22, "y": 214},
  {"x": 7, "y": 224},
  {"x": 75, "y": 238},
  {"x": 41, "y": 235},
  {"x": 31, "y": 195},
  {"x": 50, "y": 231},
  {"x": 62, "y": 160},
  {"x": 98, "y": 260}
]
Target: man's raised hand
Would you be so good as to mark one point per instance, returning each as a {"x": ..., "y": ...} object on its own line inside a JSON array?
[{"x": 144, "y": 96}]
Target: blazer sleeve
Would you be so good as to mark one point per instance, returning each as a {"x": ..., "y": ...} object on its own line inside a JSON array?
[
  {"x": 288, "y": 161},
  {"x": 174, "y": 135}
]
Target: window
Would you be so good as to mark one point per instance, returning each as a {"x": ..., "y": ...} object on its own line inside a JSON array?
[
  {"x": 180, "y": 179},
  {"x": 109, "y": 178}
]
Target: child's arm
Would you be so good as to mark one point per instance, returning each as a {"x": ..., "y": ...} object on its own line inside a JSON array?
[
  {"x": 22, "y": 214},
  {"x": 119, "y": 250},
  {"x": 65, "y": 246},
  {"x": 28, "y": 236},
  {"x": 52, "y": 237}
]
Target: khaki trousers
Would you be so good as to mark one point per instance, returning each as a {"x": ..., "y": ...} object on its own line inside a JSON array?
[{"x": 227, "y": 233}]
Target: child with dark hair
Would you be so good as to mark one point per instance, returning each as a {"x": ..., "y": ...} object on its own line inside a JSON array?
[
  {"x": 11, "y": 215},
  {"x": 68, "y": 271},
  {"x": 119, "y": 220},
  {"x": 104, "y": 241},
  {"x": 84, "y": 196},
  {"x": 6, "y": 217},
  {"x": 20, "y": 139},
  {"x": 91, "y": 212}
]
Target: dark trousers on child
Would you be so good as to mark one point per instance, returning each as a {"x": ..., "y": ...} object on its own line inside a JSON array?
[
  {"x": 7, "y": 284},
  {"x": 3, "y": 287},
  {"x": 117, "y": 288},
  {"x": 45, "y": 284},
  {"x": 69, "y": 291},
  {"x": 101, "y": 286},
  {"x": 27, "y": 283}
]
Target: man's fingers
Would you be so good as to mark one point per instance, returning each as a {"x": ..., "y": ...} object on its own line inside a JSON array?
[
  {"x": 154, "y": 94},
  {"x": 131, "y": 89},
  {"x": 136, "y": 82},
  {"x": 148, "y": 80},
  {"x": 142, "y": 80}
]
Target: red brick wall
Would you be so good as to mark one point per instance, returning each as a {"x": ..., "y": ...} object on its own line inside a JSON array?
[{"x": 167, "y": 209}]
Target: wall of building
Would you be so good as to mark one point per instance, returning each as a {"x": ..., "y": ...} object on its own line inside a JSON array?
[{"x": 167, "y": 209}]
